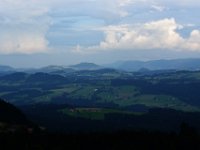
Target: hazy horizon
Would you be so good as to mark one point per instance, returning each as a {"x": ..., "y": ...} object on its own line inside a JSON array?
[{"x": 113, "y": 63}]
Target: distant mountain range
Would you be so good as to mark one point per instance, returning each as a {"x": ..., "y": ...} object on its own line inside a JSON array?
[
  {"x": 63, "y": 70},
  {"x": 6, "y": 68},
  {"x": 130, "y": 66},
  {"x": 175, "y": 64}
]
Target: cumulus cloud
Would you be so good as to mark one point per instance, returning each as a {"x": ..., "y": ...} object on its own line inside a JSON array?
[
  {"x": 21, "y": 41},
  {"x": 161, "y": 34},
  {"x": 193, "y": 42},
  {"x": 24, "y": 24},
  {"x": 23, "y": 27}
]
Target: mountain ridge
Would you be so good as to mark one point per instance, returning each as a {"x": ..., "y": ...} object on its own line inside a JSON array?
[
  {"x": 190, "y": 64},
  {"x": 162, "y": 64}
]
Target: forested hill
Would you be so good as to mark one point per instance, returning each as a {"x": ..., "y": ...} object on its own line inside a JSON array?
[{"x": 11, "y": 115}]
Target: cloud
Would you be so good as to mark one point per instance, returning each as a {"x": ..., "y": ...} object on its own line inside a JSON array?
[
  {"x": 161, "y": 34},
  {"x": 193, "y": 42},
  {"x": 24, "y": 24},
  {"x": 21, "y": 41},
  {"x": 23, "y": 27},
  {"x": 182, "y": 3},
  {"x": 158, "y": 8},
  {"x": 32, "y": 26},
  {"x": 102, "y": 9},
  {"x": 124, "y": 2}
]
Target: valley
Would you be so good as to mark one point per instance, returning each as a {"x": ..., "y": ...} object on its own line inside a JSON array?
[{"x": 61, "y": 101}]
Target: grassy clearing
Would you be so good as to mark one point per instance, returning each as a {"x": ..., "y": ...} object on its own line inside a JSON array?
[
  {"x": 113, "y": 94},
  {"x": 93, "y": 113},
  {"x": 123, "y": 96},
  {"x": 67, "y": 88},
  {"x": 4, "y": 93},
  {"x": 85, "y": 92},
  {"x": 162, "y": 101}
]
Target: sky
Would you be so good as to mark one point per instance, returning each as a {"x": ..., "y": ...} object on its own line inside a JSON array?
[{"x": 36, "y": 33}]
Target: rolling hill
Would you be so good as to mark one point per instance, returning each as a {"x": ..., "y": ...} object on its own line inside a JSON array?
[{"x": 175, "y": 64}]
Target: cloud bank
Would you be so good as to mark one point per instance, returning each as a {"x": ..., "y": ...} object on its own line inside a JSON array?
[
  {"x": 24, "y": 24},
  {"x": 161, "y": 34},
  {"x": 23, "y": 27}
]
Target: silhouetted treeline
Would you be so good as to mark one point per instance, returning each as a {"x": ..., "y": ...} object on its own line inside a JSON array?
[
  {"x": 187, "y": 138},
  {"x": 10, "y": 114}
]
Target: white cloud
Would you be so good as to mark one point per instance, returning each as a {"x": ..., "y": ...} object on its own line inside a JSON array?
[
  {"x": 161, "y": 34},
  {"x": 23, "y": 27},
  {"x": 124, "y": 2},
  {"x": 23, "y": 41},
  {"x": 182, "y": 3},
  {"x": 24, "y": 24},
  {"x": 193, "y": 42},
  {"x": 158, "y": 7}
]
